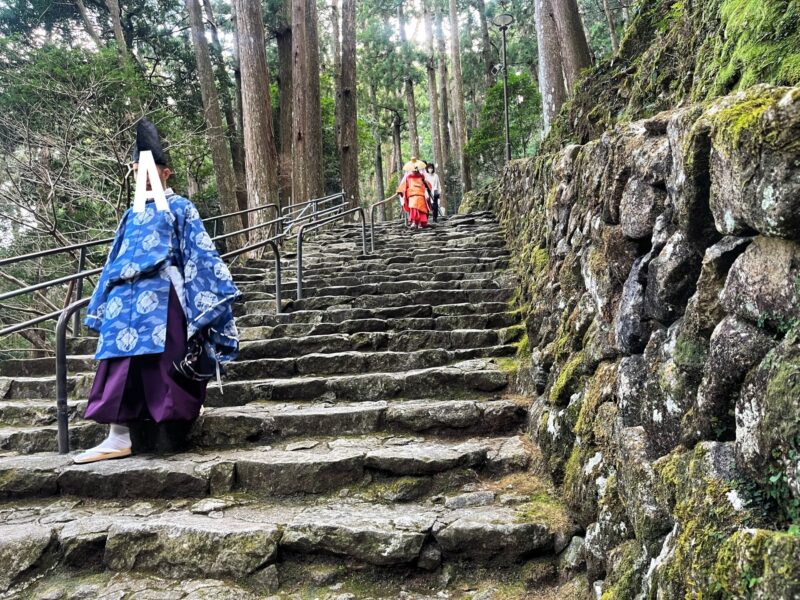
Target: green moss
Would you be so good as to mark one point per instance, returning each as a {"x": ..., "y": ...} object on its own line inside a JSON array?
[
  {"x": 742, "y": 120},
  {"x": 567, "y": 381},
  {"x": 758, "y": 563},
  {"x": 600, "y": 389},
  {"x": 623, "y": 582},
  {"x": 524, "y": 347},
  {"x": 509, "y": 365},
  {"x": 690, "y": 352},
  {"x": 539, "y": 260},
  {"x": 543, "y": 508}
]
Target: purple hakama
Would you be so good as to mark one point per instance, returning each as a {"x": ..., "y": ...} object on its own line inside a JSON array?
[{"x": 133, "y": 388}]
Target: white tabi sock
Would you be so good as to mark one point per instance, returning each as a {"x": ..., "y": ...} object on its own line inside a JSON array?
[{"x": 119, "y": 438}]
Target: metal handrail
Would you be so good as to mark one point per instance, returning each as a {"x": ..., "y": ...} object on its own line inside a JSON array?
[
  {"x": 316, "y": 225},
  {"x": 272, "y": 243},
  {"x": 293, "y": 207},
  {"x": 62, "y": 408},
  {"x": 372, "y": 219},
  {"x": 81, "y": 274}
]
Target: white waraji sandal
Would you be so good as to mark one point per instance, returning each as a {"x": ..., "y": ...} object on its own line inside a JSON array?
[{"x": 98, "y": 454}]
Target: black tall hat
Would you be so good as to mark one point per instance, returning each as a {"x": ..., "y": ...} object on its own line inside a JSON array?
[{"x": 147, "y": 139}]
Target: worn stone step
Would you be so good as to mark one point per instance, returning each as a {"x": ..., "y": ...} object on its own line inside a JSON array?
[
  {"x": 444, "y": 323},
  {"x": 265, "y": 423},
  {"x": 434, "y": 297},
  {"x": 450, "y": 381},
  {"x": 339, "y": 363},
  {"x": 265, "y": 471},
  {"x": 375, "y": 289},
  {"x": 338, "y": 315},
  {"x": 38, "y": 366},
  {"x": 242, "y": 540},
  {"x": 361, "y": 268},
  {"x": 30, "y": 440},
  {"x": 36, "y": 413},
  {"x": 370, "y": 341}
]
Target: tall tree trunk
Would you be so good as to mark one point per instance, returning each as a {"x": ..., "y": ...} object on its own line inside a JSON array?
[
  {"x": 458, "y": 99},
  {"x": 284, "y": 39},
  {"x": 122, "y": 46},
  {"x": 433, "y": 94},
  {"x": 551, "y": 77},
  {"x": 574, "y": 47},
  {"x": 300, "y": 99},
  {"x": 87, "y": 23},
  {"x": 486, "y": 44},
  {"x": 336, "y": 50},
  {"x": 408, "y": 84},
  {"x": 397, "y": 147},
  {"x": 612, "y": 29},
  {"x": 237, "y": 77},
  {"x": 316, "y": 174},
  {"x": 234, "y": 139},
  {"x": 376, "y": 134},
  {"x": 259, "y": 140},
  {"x": 220, "y": 155},
  {"x": 444, "y": 122},
  {"x": 348, "y": 111}
]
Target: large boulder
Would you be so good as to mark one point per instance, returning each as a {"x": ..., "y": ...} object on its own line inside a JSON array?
[
  {"x": 736, "y": 347},
  {"x": 22, "y": 547},
  {"x": 641, "y": 204},
  {"x": 763, "y": 285},
  {"x": 671, "y": 279},
  {"x": 755, "y": 175},
  {"x": 768, "y": 413}
]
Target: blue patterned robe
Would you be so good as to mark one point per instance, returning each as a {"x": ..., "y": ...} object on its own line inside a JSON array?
[{"x": 151, "y": 251}]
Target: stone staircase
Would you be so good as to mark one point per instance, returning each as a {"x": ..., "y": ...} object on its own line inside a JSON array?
[{"x": 364, "y": 445}]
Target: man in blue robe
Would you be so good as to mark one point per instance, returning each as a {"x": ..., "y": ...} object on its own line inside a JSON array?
[{"x": 162, "y": 305}]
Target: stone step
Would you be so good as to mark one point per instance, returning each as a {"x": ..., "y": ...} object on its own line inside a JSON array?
[
  {"x": 30, "y": 367},
  {"x": 30, "y": 440},
  {"x": 375, "y": 289},
  {"x": 265, "y": 471},
  {"x": 444, "y": 323},
  {"x": 253, "y": 542},
  {"x": 36, "y": 413},
  {"x": 370, "y": 341},
  {"x": 390, "y": 275},
  {"x": 265, "y": 423},
  {"x": 261, "y": 423},
  {"x": 433, "y": 297},
  {"x": 339, "y": 315},
  {"x": 363, "y": 268},
  {"x": 340, "y": 363},
  {"x": 450, "y": 381}
]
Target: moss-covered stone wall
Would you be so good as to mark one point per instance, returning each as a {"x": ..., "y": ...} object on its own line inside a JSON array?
[{"x": 660, "y": 270}]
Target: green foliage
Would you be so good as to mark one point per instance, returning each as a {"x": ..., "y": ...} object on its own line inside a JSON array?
[{"x": 486, "y": 147}]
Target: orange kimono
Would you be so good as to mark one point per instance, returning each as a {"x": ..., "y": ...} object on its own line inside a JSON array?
[{"x": 413, "y": 190}]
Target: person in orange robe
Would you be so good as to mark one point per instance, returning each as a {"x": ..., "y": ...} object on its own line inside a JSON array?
[{"x": 413, "y": 190}]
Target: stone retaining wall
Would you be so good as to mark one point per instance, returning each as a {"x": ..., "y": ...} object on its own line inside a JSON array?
[{"x": 661, "y": 279}]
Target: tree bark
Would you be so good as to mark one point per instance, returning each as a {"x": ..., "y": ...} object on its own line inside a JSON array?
[
  {"x": 486, "y": 45},
  {"x": 220, "y": 155},
  {"x": 611, "y": 26},
  {"x": 349, "y": 109},
  {"x": 259, "y": 140},
  {"x": 284, "y": 39},
  {"x": 458, "y": 100},
  {"x": 444, "y": 121},
  {"x": 376, "y": 133},
  {"x": 87, "y": 23},
  {"x": 551, "y": 77},
  {"x": 316, "y": 175},
  {"x": 433, "y": 94},
  {"x": 336, "y": 49},
  {"x": 574, "y": 47},
  {"x": 122, "y": 46},
  {"x": 299, "y": 100},
  {"x": 408, "y": 85},
  {"x": 234, "y": 140},
  {"x": 397, "y": 147}
]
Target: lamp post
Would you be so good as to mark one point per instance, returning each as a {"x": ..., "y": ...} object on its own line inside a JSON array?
[{"x": 503, "y": 22}]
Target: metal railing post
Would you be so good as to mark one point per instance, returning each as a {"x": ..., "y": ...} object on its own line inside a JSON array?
[
  {"x": 299, "y": 269},
  {"x": 62, "y": 408},
  {"x": 76, "y": 324},
  {"x": 278, "y": 303}
]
